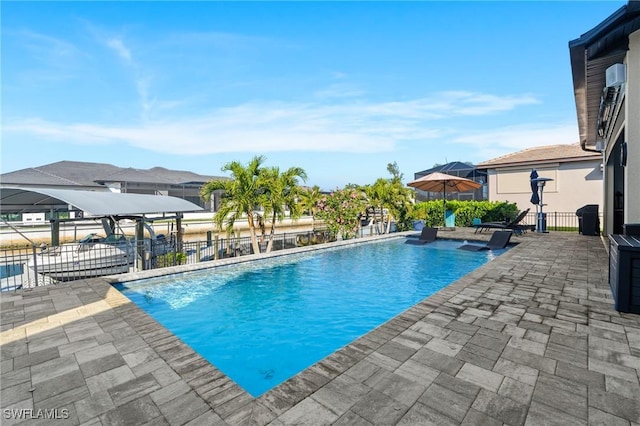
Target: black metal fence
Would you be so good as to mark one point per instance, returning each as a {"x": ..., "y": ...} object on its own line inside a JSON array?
[
  {"x": 35, "y": 266},
  {"x": 556, "y": 221}
]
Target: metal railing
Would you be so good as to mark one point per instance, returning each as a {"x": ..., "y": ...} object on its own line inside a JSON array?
[
  {"x": 557, "y": 221},
  {"x": 35, "y": 266}
]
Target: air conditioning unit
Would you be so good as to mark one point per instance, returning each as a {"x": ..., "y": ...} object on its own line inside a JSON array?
[{"x": 616, "y": 75}]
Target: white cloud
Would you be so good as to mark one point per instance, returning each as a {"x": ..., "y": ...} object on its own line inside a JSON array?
[
  {"x": 223, "y": 40},
  {"x": 496, "y": 142},
  {"x": 118, "y": 46},
  {"x": 141, "y": 79},
  {"x": 349, "y": 126},
  {"x": 42, "y": 44},
  {"x": 339, "y": 91}
]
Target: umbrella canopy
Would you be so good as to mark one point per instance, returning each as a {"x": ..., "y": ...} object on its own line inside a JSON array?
[
  {"x": 442, "y": 182},
  {"x": 535, "y": 199}
]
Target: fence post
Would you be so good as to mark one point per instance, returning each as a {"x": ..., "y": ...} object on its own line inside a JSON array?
[
  {"x": 35, "y": 264},
  {"x": 216, "y": 246}
]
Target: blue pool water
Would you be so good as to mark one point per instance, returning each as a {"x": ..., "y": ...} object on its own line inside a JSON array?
[
  {"x": 262, "y": 322},
  {"x": 8, "y": 270}
]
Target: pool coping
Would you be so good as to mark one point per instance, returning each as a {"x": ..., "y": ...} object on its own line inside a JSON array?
[
  {"x": 212, "y": 396},
  {"x": 212, "y": 265}
]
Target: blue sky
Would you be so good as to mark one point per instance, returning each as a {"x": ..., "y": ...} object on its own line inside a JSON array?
[{"x": 340, "y": 89}]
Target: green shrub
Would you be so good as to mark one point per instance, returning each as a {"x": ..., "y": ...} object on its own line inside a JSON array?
[
  {"x": 487, "y": 211},
  {"x": 171, "y": 259}
]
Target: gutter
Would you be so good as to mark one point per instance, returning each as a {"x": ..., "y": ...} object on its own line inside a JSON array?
[{"x": 596, "y": 43}]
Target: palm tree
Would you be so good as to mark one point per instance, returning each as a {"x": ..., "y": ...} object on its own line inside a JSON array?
[
  {"x": 401, "y": 201},
  {"x": 375, "y": 196},
  {"x": 281, "y": 193},
  {"x": 309, "y": 202},
  {"x": 389, "y": 194},
  {"x": 397, "y": 201},
  {"x": 242, "y": 195}
]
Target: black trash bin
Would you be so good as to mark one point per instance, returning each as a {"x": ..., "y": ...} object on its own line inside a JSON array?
[
  {"x": 588, "y": 220},
  {"x": 631, "y": 229}
]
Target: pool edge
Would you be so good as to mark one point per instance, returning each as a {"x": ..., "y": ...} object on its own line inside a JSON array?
[{"x": 226, "y": 397}]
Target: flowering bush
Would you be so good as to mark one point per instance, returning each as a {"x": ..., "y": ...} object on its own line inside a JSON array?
[{"x": 341, "y": 211}]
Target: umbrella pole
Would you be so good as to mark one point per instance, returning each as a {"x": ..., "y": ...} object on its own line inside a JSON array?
[{"x": 444, "y": 204}]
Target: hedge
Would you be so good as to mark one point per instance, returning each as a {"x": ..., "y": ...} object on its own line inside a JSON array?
[{"x": 487, "y": 211}]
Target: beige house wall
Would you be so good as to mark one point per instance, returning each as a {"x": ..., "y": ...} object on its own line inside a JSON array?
[
  {"x": 627, "y": 129},
  {"x": 574, "y": 185},
  {"x": 632, "y": 170}
]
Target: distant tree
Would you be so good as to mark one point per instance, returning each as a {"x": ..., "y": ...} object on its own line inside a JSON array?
[
  {"x": 392, "y": 195},
  {"x": 242, "y": 195},
  {"x": 280, "y": 193},
  {"x": 309, "y": 199},
  {"x": 395, "y": 171}
]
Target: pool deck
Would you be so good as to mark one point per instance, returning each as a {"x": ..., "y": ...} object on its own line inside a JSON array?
[{"x": 530, "y": 338}]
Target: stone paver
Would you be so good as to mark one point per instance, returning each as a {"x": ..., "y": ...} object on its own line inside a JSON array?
[{"x": 529, "y": 338}]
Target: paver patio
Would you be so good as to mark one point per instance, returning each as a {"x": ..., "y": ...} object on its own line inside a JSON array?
[{"x": 530, "y": 338}]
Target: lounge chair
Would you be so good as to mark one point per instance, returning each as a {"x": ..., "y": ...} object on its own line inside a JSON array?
[
  {"x": 499, "y": 240},
  {"x": 514, "y": 225},
  {"x": 428, "y": 235}
]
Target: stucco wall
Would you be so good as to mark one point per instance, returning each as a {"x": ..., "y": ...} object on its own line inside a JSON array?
[
  {"x": 632, "y": 170},
  {"x": 574, "y": 185}
]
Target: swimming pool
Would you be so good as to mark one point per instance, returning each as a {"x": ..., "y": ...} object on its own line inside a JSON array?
[{"x": 263, "y": 322}]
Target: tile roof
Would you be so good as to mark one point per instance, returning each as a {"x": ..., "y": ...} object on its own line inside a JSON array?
[
  {"x": 63, "y": 173},
  {"x": 542, "y": 154},
  {"x": 80, "y": 173}
]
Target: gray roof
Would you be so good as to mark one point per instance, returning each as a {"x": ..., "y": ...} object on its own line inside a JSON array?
[
  {"x": 134, "y": 175},
  {"x": 538, "y": 155},
  {"x": 456, "y": 166},
  {"x": 591, "y": 54},
  {"x": 98, "y": 203},
  {"x": 80, "y": 173},
  {"x": 62, "y": 173}
]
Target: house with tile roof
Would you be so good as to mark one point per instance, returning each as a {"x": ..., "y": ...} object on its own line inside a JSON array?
[
  {"x": 82, "y": 175},
  {"x": 576, "y": 177}
]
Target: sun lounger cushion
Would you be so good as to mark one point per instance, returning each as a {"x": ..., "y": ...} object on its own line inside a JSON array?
[
  {"x": 499, "y": 240},
  {"x": 428, "y": 235},
  {"x": 513, "y": 225}
]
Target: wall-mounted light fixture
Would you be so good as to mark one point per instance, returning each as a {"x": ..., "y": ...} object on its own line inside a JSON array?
[{"x": 623, "y": 154}]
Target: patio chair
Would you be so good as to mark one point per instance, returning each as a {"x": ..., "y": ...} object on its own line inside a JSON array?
[
  {"x": 499, "y": 240},
  {"x": 514, "y": 225},
  {"x": 428, "y": 235}
]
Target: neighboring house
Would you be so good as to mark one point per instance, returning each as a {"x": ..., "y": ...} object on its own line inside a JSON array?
[
  {"x": 576, "y": 174},
  {"x": 459, "y": 169},
  {"x": 605, "y": 64},
  {"x": 106, "y": 177}
]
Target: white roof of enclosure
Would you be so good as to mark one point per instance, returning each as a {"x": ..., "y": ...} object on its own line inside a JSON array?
[{"x": 97, "y": 203}]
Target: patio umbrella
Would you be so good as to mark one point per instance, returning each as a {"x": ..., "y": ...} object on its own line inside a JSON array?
[
  {"x": 535, "y": 199},
  {"x": 442, "y": 182}
]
